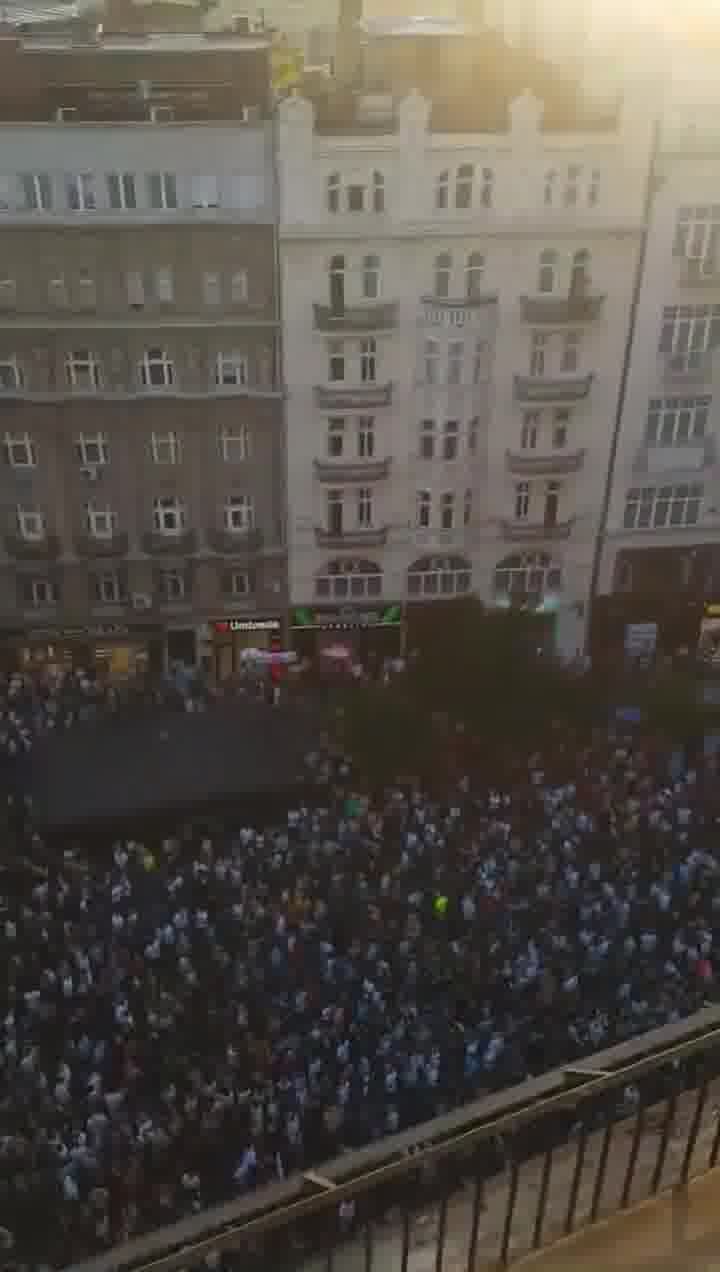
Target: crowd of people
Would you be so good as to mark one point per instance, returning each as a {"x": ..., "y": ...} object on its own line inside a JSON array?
[{"x": 185, "y": 1017}]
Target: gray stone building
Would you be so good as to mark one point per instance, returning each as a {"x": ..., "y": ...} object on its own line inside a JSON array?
[{"x": 142, "y": 477}]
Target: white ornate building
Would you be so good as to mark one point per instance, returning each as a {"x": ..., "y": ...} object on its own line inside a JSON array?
[{"x": 456, "y": 310}]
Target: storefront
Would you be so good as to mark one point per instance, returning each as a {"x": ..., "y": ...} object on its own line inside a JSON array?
[
  {"x": 364, "y": 631},
  {"x": 229, "y": 637},
  {"x": 113, "y": 649},
  {"x": 644, "y": 628}
]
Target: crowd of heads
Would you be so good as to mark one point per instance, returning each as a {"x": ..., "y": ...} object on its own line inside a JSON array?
[{"x": 187, "y": 1015}]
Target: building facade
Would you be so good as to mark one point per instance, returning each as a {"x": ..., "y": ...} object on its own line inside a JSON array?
[
  {"x": 142, "y": 482},
  {"x": 661, "y": 551},
  {"x": 456, "y": 308}
]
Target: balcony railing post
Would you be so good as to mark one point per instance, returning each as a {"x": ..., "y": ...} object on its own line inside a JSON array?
[
  {"x": 602, "y": 1163},
  {"x": 542, "y": 1199},
  {"x": 510, "y": 1210},
  {"x": 577, "y": 1176},
  {"x": 694, "y": 1131},
  {"x": 632, "y": 1160}
]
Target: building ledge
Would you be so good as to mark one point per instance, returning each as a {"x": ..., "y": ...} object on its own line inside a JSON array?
[
  {"x": 372, "y": 316},
  {"x": 88, "y": 546},
  {"x": 227, "y": 543},
  {"x": 170, "y": 544},
  {"x": 351, "y": 470},
  {"x": 563, "y": 388},
  {"x": 520, "y": 531},
  {"x": 46, "y": 549},
  {"x": 375, "y": 537},
  {"x": 561, "y": 309},
  {"x": 340, "y": 397},
  {"x": 557, "y": 462}
]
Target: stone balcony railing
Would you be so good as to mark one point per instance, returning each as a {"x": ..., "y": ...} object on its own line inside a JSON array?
[
  {"x": 46, "y": 549},
  {"x": 562, "y": 309},
  {"x": 381, "y": 315},
  {"x": 521, "y": 531},
  {"x": 229, "y": 542},
  {"x": 352, "y": 470},
  {"x": 343, "y": 397},
  {"x": 552, "y": 388},
  {"x": 370, "y": 537},
  {"x": 88, "y": 545},
  {"x": 528, "y": 463},
  {"x": 157, "y": 544}
]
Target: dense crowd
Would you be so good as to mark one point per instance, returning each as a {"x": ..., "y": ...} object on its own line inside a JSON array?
[{"x": 184, "y": 1018}]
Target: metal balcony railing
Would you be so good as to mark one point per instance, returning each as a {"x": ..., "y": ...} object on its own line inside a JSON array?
[{"x": 482, "y": 1186}]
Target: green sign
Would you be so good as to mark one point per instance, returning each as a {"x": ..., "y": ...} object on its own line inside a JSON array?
[{"x": 343, "y": 618}]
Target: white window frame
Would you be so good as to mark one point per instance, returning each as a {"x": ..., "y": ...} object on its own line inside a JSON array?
[
  {"x": 82, "y": 192},
  {"x": 164, "y": 285},
  {"x": 451, "y": 440},
  {"x": 8, "y": 291},
  {"x": 371, "y": 277},
  {"x": 333, "y": 193},
  {"x": 135, "y": 285},
  {"x": 445, "y": 576},
  {"x": 16, "y": 443},
  {"x": 523, "y": 498},
  {"x": 239, "y": 513},
  {"x": 474, "y": 275},
  {"x": 31, "y": 524},
  {"x": 447, "y": 510},
  {"x": 335, "y": 500},
  {"x": 366, "y": 436},
  {"x": 530, "y": 430},
  {"x": 204, "y": 191},
  {"x": 169, "y": 515},
  {"x": 37, "y": 191},
  {"x": 92, "y": 450},
  {"x": 378, "y": 193},
  {"x": 696, "y": 234},
  {"x": 166, "y": 448},
  {"x": 155, "y": 359},
  {"x": 365, "y": 507},
  {"x": 442, "y": 275},
  {"x": 101, "y": 521},
  {"x": 108, "y": 588},
  {"x": 87, "y": 289},
  {"x": 163, "y": 184},
  {"x": 423, "y": 509},
  {"x": 464, "y": 187},
  {"x": 170, "y": 595},
  {"x": 428, "y": 439},
  {"x": 349, "y": 580},
  {"x": 677, "y": 421},
  {"x": 431, "y": 360},
  {"x": 239, "y": 287},
  {"x": 442, "y": 190},
  {"x": 455, "y": 362},
  {"x": 539, "y": 349},
  {"x": 335, "y": 437},
  {"x": 368, "y": 360},
  {"x": 212, "y": 288},
  {"x": 337, "y": 361},
  {"x": 235, "y": 444},
  {"x": 571, "y": 355},
  {"x": 527, "y": 574},
  {"x": 43, "y": 593},
  {"x": 14, "y": 379},
  {"x": 487, "y": 186},
  {"x": 655, "y": 507},
  {"x": 548, "y": 272},
  {"x": 231, "y": 369},
  {"x": 121, "y": 191},
  {"x": 233, "y": 590},
  {"x": 83, "y": 370},
  {"x": 353, "y": 188},
  {"x": 688, "y": 333}
]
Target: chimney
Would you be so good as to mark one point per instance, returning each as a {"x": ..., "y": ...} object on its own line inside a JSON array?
[{"x": 347, "y": 50}]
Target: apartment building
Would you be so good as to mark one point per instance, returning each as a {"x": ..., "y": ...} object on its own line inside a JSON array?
[
  {"x": 457, "y": 269},
  {"x": 142, "y": 482},
  {"x": 660, "y": 575}
]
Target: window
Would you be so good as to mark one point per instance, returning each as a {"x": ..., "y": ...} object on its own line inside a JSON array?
[
  {"x": 204, "y": 192},
  {"x": 108, "y": 588},
  {"x": 677, "y": 421},
  {"x": 365, "y": 437},
  {"x": 527, "y": 575},
  {"x": 336, "y": 360},
  {"x": 356, "y": 198},
  {"x": 439, "y": 576},
  {"x": 234, "y": 443},
  {"x": 479, "y": 361},
  {"x": 87, "y": 290},
  {"x": 474, "y": 271},
  {"x": 593, "y": 189},
  {"x": 456, "y": 352},
  {"x": 92, "y": 450},
  {"x": 451, "y": 439},
  {"x": 8, "y": 291},
  {"x": 364, "y": 507},
  {"x": 36, "y": 191},
  {"x": 169, "y": 515},
  {"x": 378, "y": 192},
  {"x": 467, "y": 508},
  {"x": 7, "y": 199},
  {"x": 550, "y": 188},
  {"x": 212, "y": 294},
  {"x": 343, "y": 580},
  {"x": 164, "y": 292},
  {"x": 580, "y": 273},
  {"x": 522, "y": 500},
  {"x": 442, "y": 187},
  {"x": 333, "y": 192},
  {"x": 368, "y": 360},
  {"x": 231, "y": 369},
  {"x": 530, "y": 430},
  {"x": 473, "y": 430},
  {"x": 40, "y": 593},
  {"x": 336, "y": 280},
  {"x": 335, "y": 438},
  {"x": 82, "y": 370},
  {"x": 570, "y": 357},
  {"x": 486, "y": 188},
  {"x": 571, "y": 193},
  {"x": 81, "y": 194},
  {"x": 335, "y": 501},
  {"x": 371, "y": 277},
  {"x": 121, "y": 191},
  {"x": 447, "y": 510},
  {"x": 423, "y": 509},
  {"x": 553, "y": 491},
  {"x": 432, "y": 361},
  {"x": 547, "y": 274},
  {"x": 239, "y": 287},
  {"x": 239, "y": 514},
  {"x": 57, "y": 291},
  {"x": 11, "y": 376},
  {"x": 238, "y": 584},
  {"x": 156, "y": 370},
  {"x": 464, "y": 178},
  {"x": 427, "y": 439},
  {"x": 687, "y": 333},
  {"x": 165, "y": 448},
  {"x": 172, "y": 585},
  {"x": 162, "y": 190},
  {"x": 659, "y": 507},
  {"x": 538, "y": 349},
  {"x": 696, "y": 236},
  {"x": 443, "y": 272},
  {"x": 30, "y": 523},
  {"x": 561, "y": 419},
  {"x": 135, "y": 289},
  {"x": 20, "y": 450},
  {"x": 101, "y": 522}
]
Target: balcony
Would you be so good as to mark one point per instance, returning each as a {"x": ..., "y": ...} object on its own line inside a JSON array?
[
  {"x": 689, "y": 369},
  {"x": 700, "y": 273},
  {"x": 180, "y": 545},
  {"x": 351, "y": 470},
  {"x": 464, "y": 312},
  {"x": 233, "y": 542},
  {"x": 561, "y": 309},
  {"x": 531, "y": 531},
  {"x": 559, "y": 388},
  {"x": 372, "y": 316},
  {"x": 340, "y": 397},
  {"x": 46, "y": 549},
  {"x": 688, "y": 457},
  {"x": 372, "y": 537},
  {"x": 87, "y": 545},
  {"x": 528, "y": 464}
]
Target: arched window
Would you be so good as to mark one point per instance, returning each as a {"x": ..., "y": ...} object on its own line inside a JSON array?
[
  {"x": 439, "y": 576},
  {"x": 333, "y": 192},
  {"x": 343, "y": 580},
  {"x": 443, "y": 274},
  {"x": 547, "y": 275},
  {"x": 474, "y": 270},
  {"x": 378, "y": 192},
  {"x": 464, "y": 186},
  {"x": 442, "y": 186},
  {"x": 371, "y": 277},
  {"x": 337, "y": 284},
  {"x": 580, "y": 273},
  {"x": 528, "y": 576}
]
